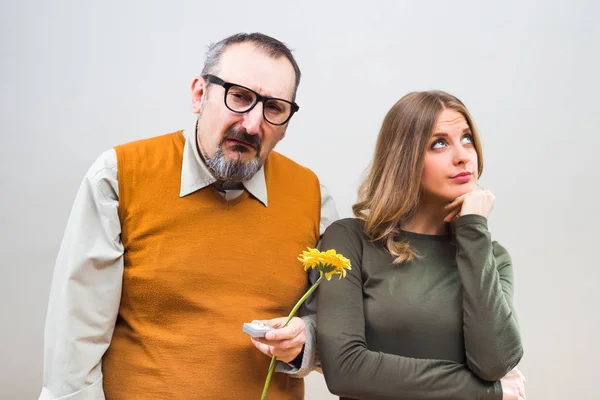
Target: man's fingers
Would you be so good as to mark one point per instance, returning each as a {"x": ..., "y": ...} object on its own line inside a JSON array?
[
  {"x": 273, "y": 323},
  {"x": 294, "y": 328},
  {"x": 282, "y": 344},
  {"x": 282, "y": 354},
  {"x": 276, "y": 322},
  {"x": 264, "y": 348},
  {"x": 285, "y": 343}
]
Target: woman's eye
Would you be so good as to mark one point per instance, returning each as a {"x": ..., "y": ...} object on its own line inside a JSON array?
[{"x": 438, "y": 144}]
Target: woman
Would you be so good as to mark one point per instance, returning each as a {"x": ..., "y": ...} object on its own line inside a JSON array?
[{"x": 426, "y": 311}]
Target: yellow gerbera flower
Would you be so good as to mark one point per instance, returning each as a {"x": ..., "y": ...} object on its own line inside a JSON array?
[{"x": 327, "y": 262}]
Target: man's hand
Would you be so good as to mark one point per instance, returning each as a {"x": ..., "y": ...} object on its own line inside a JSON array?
[{"x": 283, "y": 343}]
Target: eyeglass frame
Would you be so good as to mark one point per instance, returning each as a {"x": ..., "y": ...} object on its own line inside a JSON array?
[{"x": 259, "y": 98}]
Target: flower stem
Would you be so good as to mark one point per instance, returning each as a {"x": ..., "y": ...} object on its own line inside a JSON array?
[
  {"x": 292, "y": 313},
  {"x": 303, "y": 299},
  {"x": 268, "y": 380}
]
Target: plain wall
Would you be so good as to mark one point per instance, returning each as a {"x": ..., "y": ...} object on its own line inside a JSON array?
[{"x": 78, "y": 77}]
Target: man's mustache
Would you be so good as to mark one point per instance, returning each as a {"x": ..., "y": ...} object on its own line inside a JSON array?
[{"x": 240, "y": 134}]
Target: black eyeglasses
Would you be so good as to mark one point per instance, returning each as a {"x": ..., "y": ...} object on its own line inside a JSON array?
[{"x": 240, "y": 99}]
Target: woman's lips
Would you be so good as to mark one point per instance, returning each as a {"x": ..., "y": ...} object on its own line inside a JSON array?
[{"x": 463, "y": 177}]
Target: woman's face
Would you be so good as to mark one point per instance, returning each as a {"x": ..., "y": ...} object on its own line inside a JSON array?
[{"x": 450, "y": 165}]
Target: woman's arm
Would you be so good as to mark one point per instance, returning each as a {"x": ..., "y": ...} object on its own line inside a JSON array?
[
  {"x": 492, "y": 339},
  {"x": 352, "y": 370}
]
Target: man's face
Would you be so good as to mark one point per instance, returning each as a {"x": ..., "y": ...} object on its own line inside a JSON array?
[{"x": 236, "y": 145}]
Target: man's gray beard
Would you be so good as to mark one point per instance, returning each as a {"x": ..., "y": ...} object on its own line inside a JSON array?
[{"x": 231, "y": 170}]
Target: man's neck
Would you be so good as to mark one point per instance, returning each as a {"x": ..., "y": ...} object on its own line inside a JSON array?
[{"x": 225, "y": 185}]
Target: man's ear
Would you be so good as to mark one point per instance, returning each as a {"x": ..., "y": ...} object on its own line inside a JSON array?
[{"x": 198, "y": 88}]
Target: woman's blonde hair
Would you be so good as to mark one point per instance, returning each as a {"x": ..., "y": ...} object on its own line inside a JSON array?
[{"x": 390, "y": 193}]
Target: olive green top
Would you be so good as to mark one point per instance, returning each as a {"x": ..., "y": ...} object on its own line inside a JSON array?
[{"x": 439, "y": 327}]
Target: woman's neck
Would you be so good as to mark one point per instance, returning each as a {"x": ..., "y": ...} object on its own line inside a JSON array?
[{"x": 428, "y": 219}]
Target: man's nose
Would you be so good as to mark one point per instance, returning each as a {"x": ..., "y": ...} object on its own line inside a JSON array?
[{"x": 253, "y": 119}]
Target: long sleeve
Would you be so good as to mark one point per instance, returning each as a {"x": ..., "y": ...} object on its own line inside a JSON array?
[
  {"x": 86, "y": 289},
  {"x": 352, "y": 370},
  {"x": 308, "y": 310},
  {"x": 492, "y": 339}
]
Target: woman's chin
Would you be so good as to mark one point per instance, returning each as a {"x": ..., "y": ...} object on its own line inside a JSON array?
[{"x": 456, "y": 192}]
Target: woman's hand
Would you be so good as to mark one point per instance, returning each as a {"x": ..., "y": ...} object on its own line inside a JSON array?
[
  {"x": 513, "y": 386},
  {"x": 479, "y": 201}
]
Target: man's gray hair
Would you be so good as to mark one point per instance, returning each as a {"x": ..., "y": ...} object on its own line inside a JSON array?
[{"x": 271, "y": 46}]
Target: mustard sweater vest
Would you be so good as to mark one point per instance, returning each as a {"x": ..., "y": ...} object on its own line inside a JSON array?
[{"x": 198, "y": 267}]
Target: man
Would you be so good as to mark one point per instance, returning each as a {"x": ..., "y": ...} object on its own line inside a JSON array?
[{"x": 175, "y": 241}]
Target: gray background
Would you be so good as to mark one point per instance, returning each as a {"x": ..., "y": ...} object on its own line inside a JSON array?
[{"x": 78, "y": 77}]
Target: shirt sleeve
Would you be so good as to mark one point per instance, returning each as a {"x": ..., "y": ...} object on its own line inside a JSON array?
[
  {"x": 352, "y": 370},
  {"x": 86, "y": 289},
  {"x": 492, "y": 339}
]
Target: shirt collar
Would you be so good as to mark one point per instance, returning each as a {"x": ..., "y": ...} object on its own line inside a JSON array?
[{"x": 195, "y": 175}]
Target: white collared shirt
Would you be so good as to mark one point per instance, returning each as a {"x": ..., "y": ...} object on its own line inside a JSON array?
[{"x": 86, "y": 286}]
